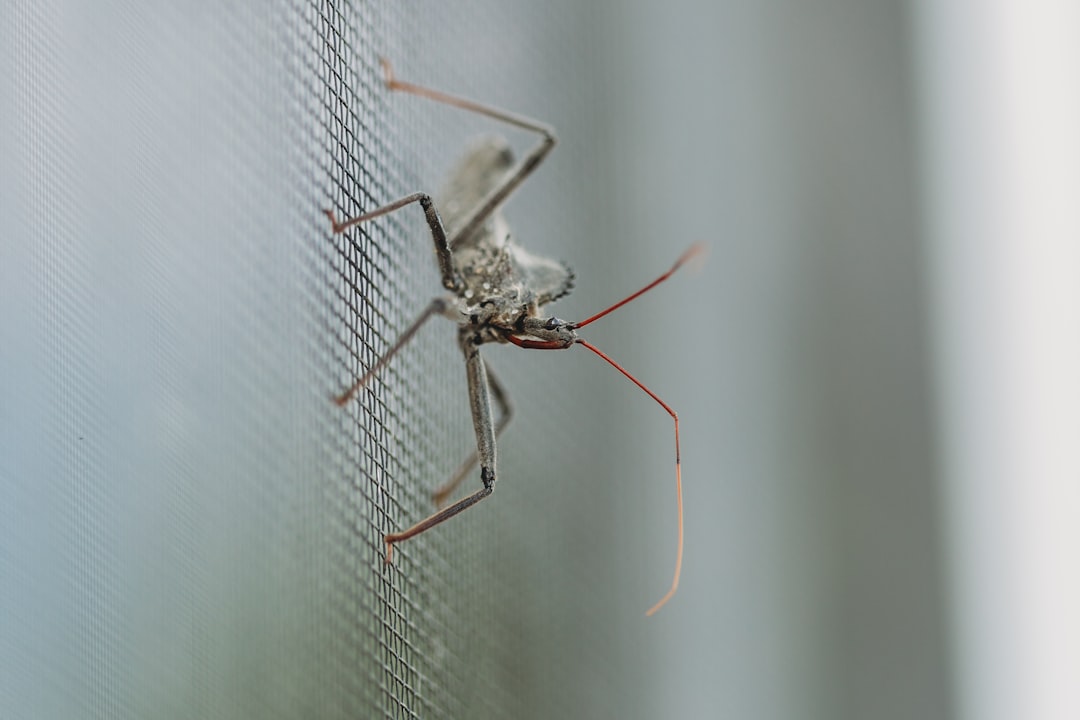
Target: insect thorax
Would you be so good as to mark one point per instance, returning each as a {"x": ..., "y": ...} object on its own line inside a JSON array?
[{"x": 505, "y": 283}]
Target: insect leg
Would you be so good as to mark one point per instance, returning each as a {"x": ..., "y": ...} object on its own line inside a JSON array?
[
  {"x": 435, "y": 307},
  {"x": 502, "y": 399},
  {"x": 498, "y": 194},
  {"x": 450, "y": 279},
  {"x": 480, "y": 402}
]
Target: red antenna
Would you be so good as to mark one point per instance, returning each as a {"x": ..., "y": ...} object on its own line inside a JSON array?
[
  {"x": 678, "y": 472},
  {"x": 691, "y": 252},
  {"x": 695, "y": 249}
]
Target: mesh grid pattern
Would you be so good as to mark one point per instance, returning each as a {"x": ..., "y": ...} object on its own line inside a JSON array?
[{"x": 191, "y": 528}]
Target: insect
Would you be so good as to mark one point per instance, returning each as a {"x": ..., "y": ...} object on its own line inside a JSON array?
[{"x": 497, "y": 291}]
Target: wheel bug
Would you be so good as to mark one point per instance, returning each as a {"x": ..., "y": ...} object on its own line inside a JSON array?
[{"x": 497, "y": 291}]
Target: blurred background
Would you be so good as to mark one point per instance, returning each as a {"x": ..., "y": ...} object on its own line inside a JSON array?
[{"x": 874, "y": 367}]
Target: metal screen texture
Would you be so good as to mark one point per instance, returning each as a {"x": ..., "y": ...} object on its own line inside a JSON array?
[{"x": 189, "y": 527}]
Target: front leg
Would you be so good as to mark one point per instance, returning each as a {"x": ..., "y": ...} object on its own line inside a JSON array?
[
  {"x": 480, "y": 403},
  {"x": 450, "y": 279}
]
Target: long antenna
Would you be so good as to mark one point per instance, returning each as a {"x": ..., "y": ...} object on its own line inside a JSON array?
[
  {"x": 678, "y": 462},
  {"x": 690, "y": 252}
]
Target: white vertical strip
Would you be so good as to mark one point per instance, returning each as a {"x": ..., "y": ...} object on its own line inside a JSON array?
[{"x": 1001, "y": 85}]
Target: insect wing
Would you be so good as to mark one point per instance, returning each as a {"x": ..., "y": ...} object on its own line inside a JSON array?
[{"x": 482, "y": 170}]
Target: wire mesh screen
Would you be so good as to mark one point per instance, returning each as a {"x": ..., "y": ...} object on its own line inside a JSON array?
[{"x": 189, "y": 526}]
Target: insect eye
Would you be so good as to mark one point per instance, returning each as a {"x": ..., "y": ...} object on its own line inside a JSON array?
[{"x": 553, "y": 323}]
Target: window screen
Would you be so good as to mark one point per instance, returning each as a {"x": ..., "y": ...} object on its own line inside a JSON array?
[{"x": 189, "y": 527}]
